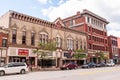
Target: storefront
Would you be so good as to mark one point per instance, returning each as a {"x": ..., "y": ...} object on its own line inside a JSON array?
[
  {"x": 3, "y": 53},
  {"x": 22, "y": 55}
]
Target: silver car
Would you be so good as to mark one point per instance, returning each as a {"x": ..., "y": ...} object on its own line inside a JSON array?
[{"x": 14, "y": 67}]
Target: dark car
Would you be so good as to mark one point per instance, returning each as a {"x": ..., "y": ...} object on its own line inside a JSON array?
[
  {"x": 67, "y": 66},
  {"x": 102, "y": 64},
  {"x": 89, "y": 65}
]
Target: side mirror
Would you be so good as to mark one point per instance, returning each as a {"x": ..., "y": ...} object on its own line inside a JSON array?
[{"x": 6, "y": 66}]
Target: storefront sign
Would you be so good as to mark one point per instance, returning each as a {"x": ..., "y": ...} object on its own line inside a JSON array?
[{"x": 23, "y": 52}]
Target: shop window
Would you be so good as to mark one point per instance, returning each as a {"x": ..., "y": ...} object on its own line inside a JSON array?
[{"x": 14, "y": 35}]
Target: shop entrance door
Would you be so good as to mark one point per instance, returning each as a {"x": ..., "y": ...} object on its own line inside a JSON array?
[{"x": 16, "y": 60}]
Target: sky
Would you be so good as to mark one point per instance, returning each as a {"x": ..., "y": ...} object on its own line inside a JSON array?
[{"x": 52, "y": 9}]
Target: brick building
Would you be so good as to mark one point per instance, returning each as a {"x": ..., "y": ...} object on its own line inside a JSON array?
[
  {"x": 3, "y": 45},
  {"x": 95, "y": 28},
  {"x": 113, "y": 48},
  {"x": 25, "y": 32}
]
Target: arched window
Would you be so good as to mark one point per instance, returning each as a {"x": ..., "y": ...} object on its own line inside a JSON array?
[
  {"x": 23, "y": 37},
  {"x": 77, "y": 45},
  {"x": 32, "y": 38},
  {"x": 14, "y": 35},
  {"x": 80, "y": 43},
  {"x": 43, "y": 37},
  {"x": 58, "y": 41},
  {"x": 84, "y": 45},
  {"x": 69, "y": 43}
]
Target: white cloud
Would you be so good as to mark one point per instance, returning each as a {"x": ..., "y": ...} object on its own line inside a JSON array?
[
  {"x": 61, "y": 2},
  {"x": 45, "y": 1},
  {"x": 114, "y": 32},
  {"x": 108, "y": 9}
]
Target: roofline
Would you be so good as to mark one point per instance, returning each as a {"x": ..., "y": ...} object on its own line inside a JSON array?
[
  {"x": 11, "y": 11},
  {"x": 85, "y": 11}
]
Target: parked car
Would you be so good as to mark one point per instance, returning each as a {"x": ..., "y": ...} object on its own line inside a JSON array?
[
  {"x": 14, "y": 67},
  {"x": 102, "y": 64},
  {"x": 110, "y": 64},
  {"x": 67, "y": 66},
  {"x": 89, "y": 65}
]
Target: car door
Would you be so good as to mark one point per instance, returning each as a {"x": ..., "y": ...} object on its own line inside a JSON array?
[
  {"x": 16, "y": 67},
  {"x": 9, "y": 69}
]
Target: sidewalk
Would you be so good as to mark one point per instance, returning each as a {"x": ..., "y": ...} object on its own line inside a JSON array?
[{"x": 45, "y": 69}]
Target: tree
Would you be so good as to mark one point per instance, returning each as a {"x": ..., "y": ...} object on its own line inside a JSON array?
[
  {"x": 101, "y": 54},
  {"x": 79, "y": 54},
  {"x": 42, "y": 48}
]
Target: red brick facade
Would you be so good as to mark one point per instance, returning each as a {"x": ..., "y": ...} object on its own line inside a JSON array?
[
  {"x": 113, "y": 48},
  {"x": 94, "y": 26},
  {"x": 3, "y": 36}
]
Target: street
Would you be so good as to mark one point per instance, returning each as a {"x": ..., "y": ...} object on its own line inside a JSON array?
[{"x": 104, "y": 73}]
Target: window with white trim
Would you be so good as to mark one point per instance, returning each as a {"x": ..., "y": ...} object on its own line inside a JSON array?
[
  {"x": 32, "y": 38},
  {"x": 24, "y": 37},
  {"x": 70, "y": 43},
  {"x": 58, "y": 41},
  {"x": 14, "y": 35},
  {"x": 43, "y": 37}
]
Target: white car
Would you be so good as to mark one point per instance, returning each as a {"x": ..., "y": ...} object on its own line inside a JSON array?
[
  {"x": 110, "y": 64},
  {"x": 14, "y": 67}
]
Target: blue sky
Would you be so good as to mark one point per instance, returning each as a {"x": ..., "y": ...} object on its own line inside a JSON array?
[
  {"x": 30, "y": 7},
  {"x": 52, "y": 9}
]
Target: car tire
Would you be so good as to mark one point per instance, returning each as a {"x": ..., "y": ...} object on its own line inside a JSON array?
[
  {"x": 67, "y": 68},
  {"x": 75, "y": 68},
  {"x": 2, "y": 73},
  {"x": 22, "y": 71}
]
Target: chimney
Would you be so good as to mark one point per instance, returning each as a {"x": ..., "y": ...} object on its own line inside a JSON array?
[{"x": 78, "y": 13}]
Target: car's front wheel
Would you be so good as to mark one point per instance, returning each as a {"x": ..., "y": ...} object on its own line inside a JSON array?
[
  {"x": 2, "y": 73},
  {"x": 22, "y": 71}
]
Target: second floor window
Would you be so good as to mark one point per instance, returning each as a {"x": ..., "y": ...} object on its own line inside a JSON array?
[
  {"x": 14, "y": 35},
  {"x": 32, "y": 38},
  {"x": 4, "y": 42},
  {"x": 24, "y": 37},
  {"x": 43, "y": 37},
  {"x": 69, "y": 43},
  {"x": 76, "y": 45},
  {"x": 59, "y": 42}
]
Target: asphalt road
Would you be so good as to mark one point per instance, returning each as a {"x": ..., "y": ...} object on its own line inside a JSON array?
[{"x": 105, "y": 73}]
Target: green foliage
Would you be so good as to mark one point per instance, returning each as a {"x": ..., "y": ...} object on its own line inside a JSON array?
[
  {"x": 101, "y": 54},
  {"x": 79, "y": 56},
  {"x": 40, "y": 51},
  {"x": 80, "y": 50},
  {"x": 49, "y": 46}
]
